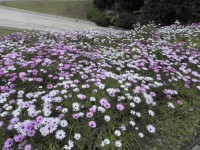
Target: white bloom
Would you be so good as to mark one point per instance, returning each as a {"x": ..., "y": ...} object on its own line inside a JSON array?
[
  {"x": 63, "y": 123},
  {"x": 102, "y": 144},
  {"x": 132, "y": 123},
  {"x": 133, "y": 112},
  {"x": 81, "y": 114},
  {"x": 151, "y": 128},
  {"x": 151, "y": 113},
  {"x": 92, "y": 99},
  {"x": 117, "y": 133},
  {"x": 107, "y": 141},
  {"x": 60, "y": 134},
  {"x": 132, "y": 104},
  {"x": 170, "y": 105},
  {"x": 141, "y": 135},
  {"x": 118, "y": 143},
  {"x": 64, "y": 110},
  {"x": 69, "y": 146},
  {"x": 136, "y": 99},
  {"x": 138, "y": 114},
  {"x": 75, "y": 106},
  {"x": 63, "y": 91},
  {"x": 77, "y": 136},
  {"x": 101, "y": 109},
  {"x": 107, "y": 118}
]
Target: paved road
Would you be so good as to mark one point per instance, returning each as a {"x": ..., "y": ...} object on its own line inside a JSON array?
[{"x": 22, "y": 19}]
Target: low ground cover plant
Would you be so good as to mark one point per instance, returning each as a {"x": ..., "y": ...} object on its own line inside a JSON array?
[{"x": 100, "y": 90}]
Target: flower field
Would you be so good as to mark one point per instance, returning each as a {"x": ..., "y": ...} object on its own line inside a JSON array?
[{"x": 99, "y": 90}]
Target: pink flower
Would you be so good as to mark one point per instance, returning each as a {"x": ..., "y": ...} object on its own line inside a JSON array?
[
  {"x": 120, "y": 107},
  {"x": 89, "y": 115},
  {"x": 81, "y": 96},
  {"x": 92, "y": 124},
  {"x": 179, "y": 102},
  {"x": 75, "y": 116}
]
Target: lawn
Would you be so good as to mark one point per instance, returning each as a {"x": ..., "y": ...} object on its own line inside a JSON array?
[
  {"x": 5, "y": 31},
  {"x": 127, "y": 90},
  {"x": 72, "y": 9}
]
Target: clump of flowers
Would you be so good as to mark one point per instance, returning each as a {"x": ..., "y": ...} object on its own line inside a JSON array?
[{"x": 86, "y": 87}]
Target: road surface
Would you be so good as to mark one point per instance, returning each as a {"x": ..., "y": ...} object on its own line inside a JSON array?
[{"x": 23, "y": 19}]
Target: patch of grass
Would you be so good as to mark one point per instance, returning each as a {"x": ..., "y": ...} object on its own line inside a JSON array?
[
  {"x": 71, "y": 9},
  {"x": 5, "y": 31}
]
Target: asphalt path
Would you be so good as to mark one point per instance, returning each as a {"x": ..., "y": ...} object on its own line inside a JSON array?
[{"x": 23, "y": 19}]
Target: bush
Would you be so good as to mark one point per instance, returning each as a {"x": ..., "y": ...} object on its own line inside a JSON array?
[
  {"x": 98, "y": 17},
  {"x": 166, "y": 12},
  {"x": 125, "y": 20}
]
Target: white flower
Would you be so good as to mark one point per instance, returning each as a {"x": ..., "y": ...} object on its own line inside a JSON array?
[
  {"x": 60, "y": 134},
  {"x": 101, "y": 109},
  {"x": 138, "y": 114},
  {"x": 107, "y": 118},
  {"x": 77, "y": 136},
  {"x": 63, "y": 91},
  {"x": 118, "y": 144},
  {"x": 69, "y": 146},
  {"x": 63, "y": 123},
  {"x": 151, "y": 113},
  {"x": 107, "y": 141},
  {"x": 170, "y": 105},
  {"x": 117, "y": 133},
  {"x": 132, "y": 104},
  {"x": 151, "y": 128},
  {"x": 141, "y": 135},
  {"x": 133, "y": 112},
  {"x": 102, "y": 144},
  {"x": 64, "y": 110},
  {"x": 132, "y": 123},
  {"x": 92, "y": 99},
  {"x": 136, "y": 99},
  {"x": 75, "y": 106}
]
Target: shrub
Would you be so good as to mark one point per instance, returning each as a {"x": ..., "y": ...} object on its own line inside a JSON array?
[
  {"x": 125, "y": 20},
  {"x": 98, "y": 17},
  {"x": 166, "y": 12}
]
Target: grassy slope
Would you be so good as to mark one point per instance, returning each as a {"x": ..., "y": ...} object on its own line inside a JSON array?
[
  {"x": 5, "y": 31},
  {"x": 72, "y": 9}
]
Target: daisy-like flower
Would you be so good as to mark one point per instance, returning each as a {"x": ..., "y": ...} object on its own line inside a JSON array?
[
  {"x": 63, "y": 123},
  {"x": 170, "y": 105},
  {"x": 92, "y": 124},
  {"x": 151, "y": 113},
  {"x": 107, "y": 118},
  {"x": 77, "y": 136},
  {"x": 132, "y": 123},
  {"x": 102, "y": 144},
  {"x": 69, "y": 146},
  {"x": 151, "y": 128},
  {"x": 118, "y": 143},
  {"x": 60, "y": 134},
  {"x": 141, "y": 135},
  {"x": 117, "y": 133},
  {"x": 106, "y": 141},
  {"x": 120, "y": 107},
  {"x": 27, "y": 147}
]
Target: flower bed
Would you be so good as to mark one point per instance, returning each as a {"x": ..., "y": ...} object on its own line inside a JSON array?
[{"x": 94, "y": 90}]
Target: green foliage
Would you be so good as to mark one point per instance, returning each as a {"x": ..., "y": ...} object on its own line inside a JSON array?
[
  {"x": 166, "y": 12},
  {"x": 98, "y": 17},
  {"x": 125, "y": 20}
]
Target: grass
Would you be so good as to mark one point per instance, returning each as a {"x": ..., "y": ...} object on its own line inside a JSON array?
[
  {"x": 5, "y": 31},
  {"x": 71, "y": 9}
]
